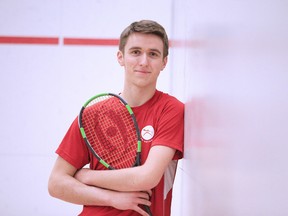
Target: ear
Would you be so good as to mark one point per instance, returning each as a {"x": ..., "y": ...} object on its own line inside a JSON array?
[
  {"x": 165, "y": 60},
  {"x": 120, "y": 58}
]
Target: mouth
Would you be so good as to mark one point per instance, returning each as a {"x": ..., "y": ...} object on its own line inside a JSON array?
[{"x": 142, "y": 71}]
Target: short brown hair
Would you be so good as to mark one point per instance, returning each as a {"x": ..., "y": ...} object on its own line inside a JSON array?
[{"x": 145, "y": 27}]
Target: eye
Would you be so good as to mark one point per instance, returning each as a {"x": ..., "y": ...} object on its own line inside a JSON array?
[
  {"x": 135, "y": 52},
  {"x": 154, "y": 54}
]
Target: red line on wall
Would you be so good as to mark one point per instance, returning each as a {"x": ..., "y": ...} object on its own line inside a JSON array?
[
  {"x": 86, "y": 41},
  {"x": 28, "y": 40},
  {"x": 187, "y": 43}
]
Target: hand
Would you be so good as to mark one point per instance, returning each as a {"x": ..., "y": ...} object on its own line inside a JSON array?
[
  {"x": 121, "y": 200},
  {"x": 131, "y": 200},
  {"x": 81, "y": 175}
]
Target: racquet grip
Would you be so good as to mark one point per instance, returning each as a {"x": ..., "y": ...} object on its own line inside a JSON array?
[{"x": 147, "y": 209}]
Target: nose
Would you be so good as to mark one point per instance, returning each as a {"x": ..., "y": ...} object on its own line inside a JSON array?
[{"x": 143, "y": 60}]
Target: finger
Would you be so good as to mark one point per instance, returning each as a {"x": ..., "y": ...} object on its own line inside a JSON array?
[
  {"x": 141, "y": 211},
  {"x": 143, "y": 195},
  {"x": 143, "y": 202},
  {"x": 149, "y": 193}
]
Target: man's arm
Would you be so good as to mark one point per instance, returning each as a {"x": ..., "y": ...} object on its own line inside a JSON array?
[
  {"x": 139, "y": 178},
  {"x": 64, "y": 186}
]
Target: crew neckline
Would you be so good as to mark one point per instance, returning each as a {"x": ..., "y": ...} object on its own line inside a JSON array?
[{"x": 149, "y": 102}]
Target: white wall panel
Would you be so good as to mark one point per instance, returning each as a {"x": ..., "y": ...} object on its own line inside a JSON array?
[
  {"x": 234, "y": 57},
  {"x": 42, "y": 87},
  {"x": 29, "y": 17}
]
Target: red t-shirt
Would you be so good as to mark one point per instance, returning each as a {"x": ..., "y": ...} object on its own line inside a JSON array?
[{"x": 161, "y": 122}]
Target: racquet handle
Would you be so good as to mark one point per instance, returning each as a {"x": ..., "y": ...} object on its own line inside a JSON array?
[{"x": 148, "y": 210}]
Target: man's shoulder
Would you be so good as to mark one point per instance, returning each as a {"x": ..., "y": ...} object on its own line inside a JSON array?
[{"x": 170, "y": 100}]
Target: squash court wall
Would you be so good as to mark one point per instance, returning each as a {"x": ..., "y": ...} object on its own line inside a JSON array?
[
  {"x": 232, "y": 60},
  {"x": 228, "y": 63},
  {"x": 44, "y": 82}
]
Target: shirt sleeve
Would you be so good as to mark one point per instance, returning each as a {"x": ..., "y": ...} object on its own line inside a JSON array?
[
  {"x": 170, "y": 128},
  {"x": 73, "y": 148}
]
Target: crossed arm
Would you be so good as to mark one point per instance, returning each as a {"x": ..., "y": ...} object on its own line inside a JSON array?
[
  {"x": 141, "y": 178},
  {"x": 127, "y": 187},
  {"x": 64, "y": 186}
]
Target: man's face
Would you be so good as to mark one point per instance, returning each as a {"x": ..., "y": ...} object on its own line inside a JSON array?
[{"x": 142, "y": 59}]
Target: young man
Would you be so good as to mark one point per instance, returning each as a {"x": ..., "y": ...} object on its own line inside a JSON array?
[{"x": 143, "y": 52}]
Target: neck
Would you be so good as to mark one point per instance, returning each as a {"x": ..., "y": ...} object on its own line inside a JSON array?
[{"x": 137, "y": 97}]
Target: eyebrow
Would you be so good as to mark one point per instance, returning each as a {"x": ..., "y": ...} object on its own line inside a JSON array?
[{"x": 154, "y": 50}]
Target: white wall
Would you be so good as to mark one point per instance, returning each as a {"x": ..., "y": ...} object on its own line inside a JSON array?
[
  {"x": 42, "y": 87},
  {"x": 235, "y": 79},
  {"x": 229, "y": 66}
]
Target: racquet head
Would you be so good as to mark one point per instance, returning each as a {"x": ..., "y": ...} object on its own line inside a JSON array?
[{"x": 109, "y": 129}]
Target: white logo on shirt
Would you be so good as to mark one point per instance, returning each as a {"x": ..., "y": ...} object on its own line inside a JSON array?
[{"x": 147, "y": 132}]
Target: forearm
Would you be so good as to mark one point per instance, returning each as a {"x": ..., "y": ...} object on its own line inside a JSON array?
[
  {"x": 139, "y": 178},
  {"x": 131, "y": 179},
  {"x": 63, "y": 185},
  {"x": 67, "y": 188}
]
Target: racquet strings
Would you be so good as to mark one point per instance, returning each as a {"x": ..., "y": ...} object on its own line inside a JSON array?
[{"x": 110, "y": 131}]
